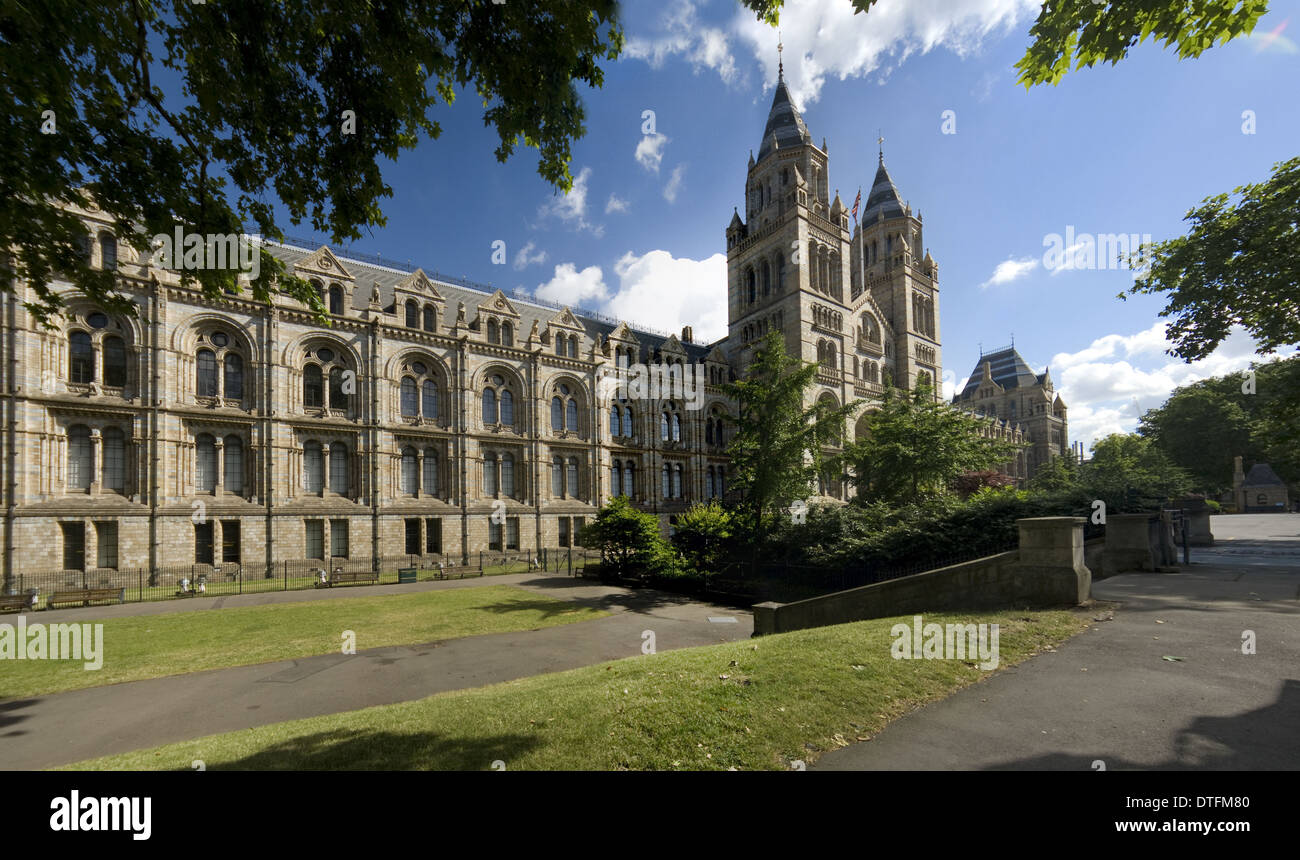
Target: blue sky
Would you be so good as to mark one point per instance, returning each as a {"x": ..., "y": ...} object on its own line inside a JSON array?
[{"x": 1124, "y": 149}]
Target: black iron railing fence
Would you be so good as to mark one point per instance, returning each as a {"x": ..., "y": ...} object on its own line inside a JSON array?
[{"x": 175, "y": 582}]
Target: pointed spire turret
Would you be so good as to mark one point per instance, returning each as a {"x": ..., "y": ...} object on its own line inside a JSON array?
[
  {"x": 884, "y": 199},
  {"x": 785, "y": 127}
]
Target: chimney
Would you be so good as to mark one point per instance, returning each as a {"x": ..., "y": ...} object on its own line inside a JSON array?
[{"x": 688, "y": 336}]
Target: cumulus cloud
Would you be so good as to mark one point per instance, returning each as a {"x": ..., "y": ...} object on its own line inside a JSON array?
[
  {"x": 666, "y": 292},
  {"x": 650, "y": 151},
  {"x": 616, "y": 204},
  {"x": 572, "y": 287},
  {"x": 674, "y": 183},
  {"x": 571, "y": 208},
  {"x": 1110, "y": 383},
  {"x": 526, "y": 256},
  {"x": 1010, "y": 270},
  {"x": 682, "y": 33}
]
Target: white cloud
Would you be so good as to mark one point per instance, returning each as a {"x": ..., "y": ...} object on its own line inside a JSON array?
[
  {"x": 572, "y": 287},
  {"x": 1110, "y": 383},
  {"x": 682, "y": 33},
  {"x": 616, "y": 204},
  {"x": 665, "y": 292},
  {"x": 571, "y": 208},
  {"x": 674, "y": 184},
  {"x": 650, "y": 151},
  {"x": 1010, "y": 270},
  {"x": 825, "y": 38},
  {"x": 526, "y": 257}
]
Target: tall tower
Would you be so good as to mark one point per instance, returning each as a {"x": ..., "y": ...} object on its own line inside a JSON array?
[
  {"x": 893, "y": 275},
  {"x": 788, "y": 257}
]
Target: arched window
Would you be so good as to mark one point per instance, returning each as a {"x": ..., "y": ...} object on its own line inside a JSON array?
[
  {"x": 412, "y": 314},
  {"x": 627, "y": 421},
  {"x": 114, "y": 362},
  {"x": 205, "y": 463},
  {"x": 708, "y": 432},
  {"x": 507, "y": 474},
  {"x": 708, "y": 483},
  {"x": 233, "y": 371},
  {"x": 557, "y": 477},
  {"x": 571, "y": 476},
  {"x": 667, "y": 481},
  {"x": 490, "y": 414},
  {"x": 615, "y": 423},
  {"x": 559, "y": 344},
  {"x": 336, "y": 300},
  {"x": 410, "y": 404},
  {"x": 81, "y": 358},
  {"x": 232, "y": 477},
  {"x": 430, "y": 318},
  {"x": 677, "y": 427},
  {"x": 410, "y": 471},
  {"x": 339, "y": 470},
  {"x": 663, "y": 427},
  {"x": 750, "y": 286},
  {"x": 430, "y": 471},
  {"x": 507, "y": 334},
  {"x": 493, "y": 333},
  {"x": 313, "y": 467},
  {"x": 490, "y": 474},
  {"x": 767, "y": 278},
  {"x": 313, "y": 390},
  {"x": 107, "y": 252},
  {"x": 573, "y": 346},
  {"x": 722, "y": 481},
  {"x": 677, "y": 481},
  {"x": 429, "y": 399},
  {"x": 81, "y": 458},
  {"x": 338, "y": 398},
  {"x": 571, "y": 415},
  {"x": 616, "y": 478},
  {"x": 114, "y": 476},
  {"x": 627, "y": 479},
  {"x": 507, "y": 408},
  {"x": 557, "y": 414}
]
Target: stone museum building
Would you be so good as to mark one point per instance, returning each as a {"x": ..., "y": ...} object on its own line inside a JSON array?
[{"x": 433, "y": 416}]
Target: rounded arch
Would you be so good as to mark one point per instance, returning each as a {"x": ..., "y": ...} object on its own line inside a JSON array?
[
  {"x": 185, "y": 338},
  {"x": 295, "y": 352}
]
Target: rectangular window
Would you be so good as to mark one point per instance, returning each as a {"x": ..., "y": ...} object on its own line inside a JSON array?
[
  {"x": 433, "y": 536},
  {"x": 494, "y": 536},
  {"x": 315, "y": 538},
  {"x": 74, "y": 546},
  {"x": 578, "y": 523},
  {"x": 339, "y": 543},
  {"x": 512, "y": 532},
  {"x": 564, "y": 531},
  {"x": 230, "y": 542},
  {"x": 106, "y": 539},
  {"x": 203, "y": 543},
  {"x": 413, "y": 537}
]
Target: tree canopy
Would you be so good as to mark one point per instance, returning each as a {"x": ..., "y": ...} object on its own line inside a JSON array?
[{"x": 168, "y": 114}]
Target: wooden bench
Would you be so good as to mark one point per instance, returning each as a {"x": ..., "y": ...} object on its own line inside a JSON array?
[
  {"x": 369, "y": 576},
  {"x": 16, "y": 601},
  {"x": 86, "y": 596}
]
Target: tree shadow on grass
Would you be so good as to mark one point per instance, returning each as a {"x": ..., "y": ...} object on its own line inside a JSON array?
[
  {"x": 372, "y": 750},
  {"x": 642, "y": 600}
]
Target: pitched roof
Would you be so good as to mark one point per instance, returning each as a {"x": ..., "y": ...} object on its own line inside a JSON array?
[
  {"x": 1262, "y": 475},
  {"x": 884, "y": 197},
  {"x": 785, "y": 127},
  {"x": 1007, "y": 368}
]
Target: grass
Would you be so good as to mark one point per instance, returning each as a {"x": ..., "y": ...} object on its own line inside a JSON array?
[
  {"x": 758, "y": 704},
  {"x": 173, "y": 643}
]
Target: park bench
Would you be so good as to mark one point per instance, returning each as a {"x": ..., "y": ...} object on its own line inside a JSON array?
[
  {"x": 340, "y": 578},
  {"x": 16, "y": 601},
  {"x": 87, "y": 596}
]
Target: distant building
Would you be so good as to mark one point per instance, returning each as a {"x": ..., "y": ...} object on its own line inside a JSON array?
[
  {"x": 1259, "y": 492},
  {"x": 1024, "y": 404}
]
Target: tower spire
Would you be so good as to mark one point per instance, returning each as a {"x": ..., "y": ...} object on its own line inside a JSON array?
[{"x": 780, "y": 64}]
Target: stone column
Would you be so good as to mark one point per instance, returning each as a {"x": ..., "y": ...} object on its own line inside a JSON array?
[
  {"x": 1051, "y": 568},
  {"x": 1129, "y": 544}
]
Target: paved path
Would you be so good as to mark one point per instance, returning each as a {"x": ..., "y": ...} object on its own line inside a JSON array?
[
  {"x": 66, "y": 727},
  {"x": 1108, "y": 695}
]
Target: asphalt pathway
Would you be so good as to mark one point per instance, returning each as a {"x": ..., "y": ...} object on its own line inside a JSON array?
[
  {"x": 47, "y": 731},
  {"x": 1109, "y": 696}
]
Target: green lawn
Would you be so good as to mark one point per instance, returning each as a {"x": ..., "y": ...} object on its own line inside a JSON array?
[
  {"x": 757, "y": 704},
  {"x": 178, "y": 642}
]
